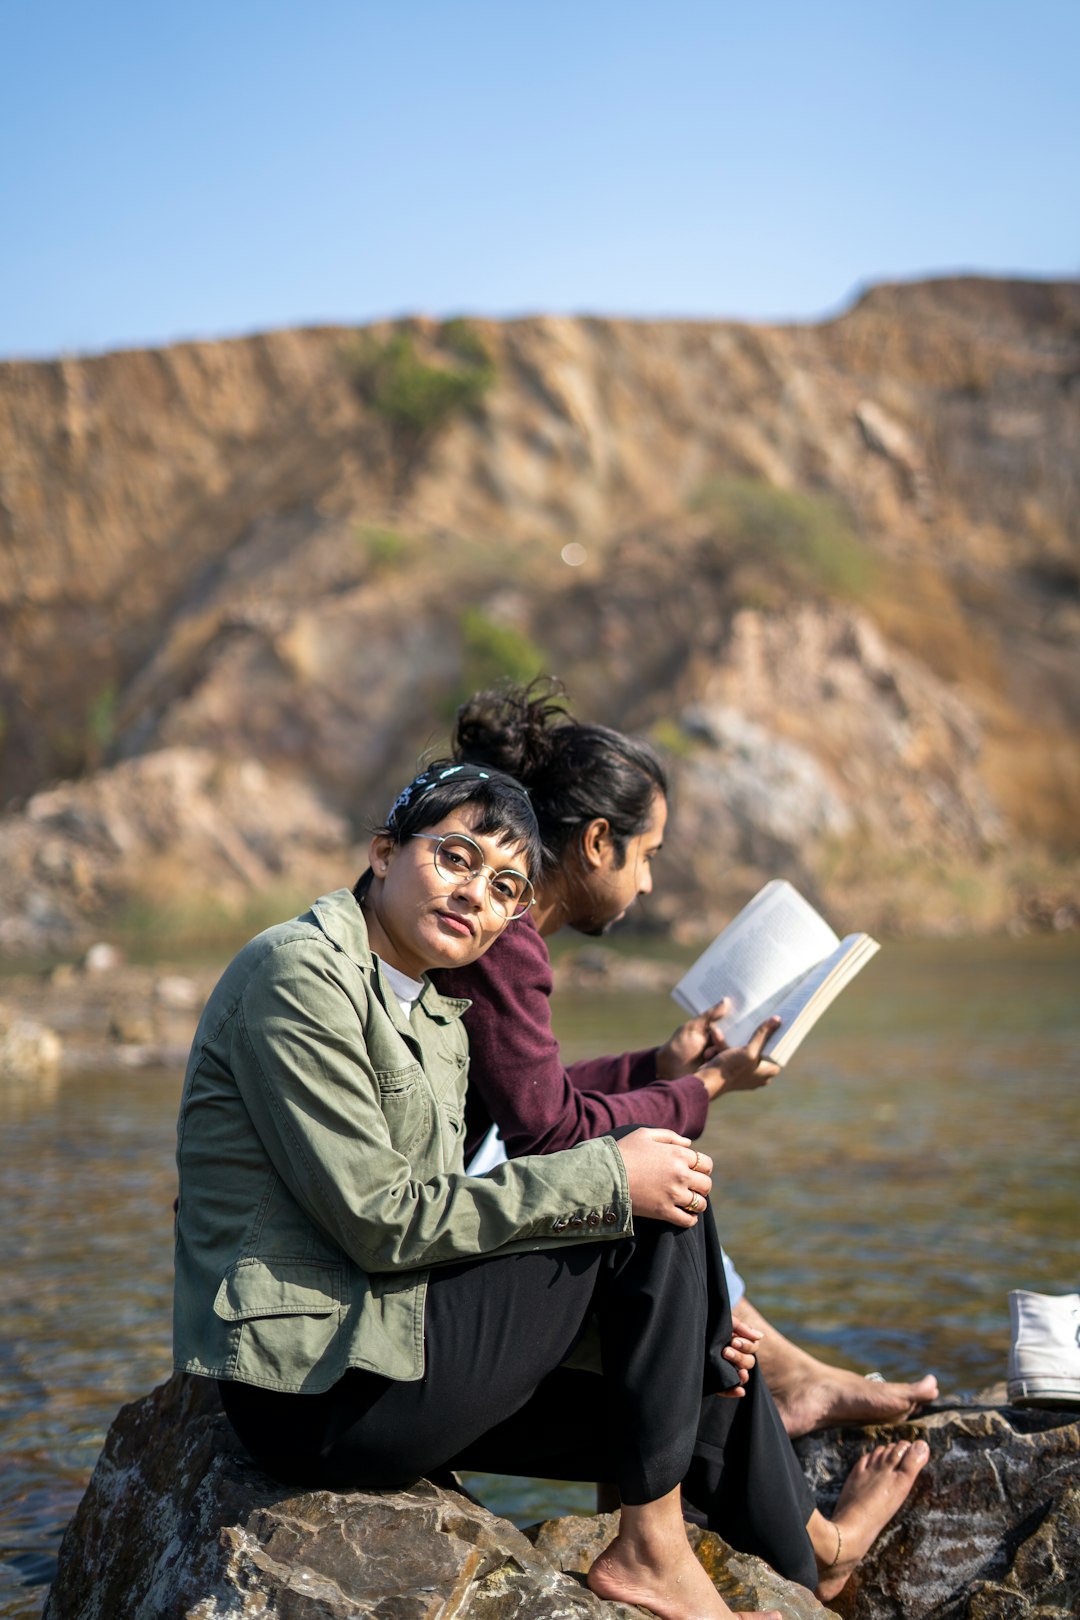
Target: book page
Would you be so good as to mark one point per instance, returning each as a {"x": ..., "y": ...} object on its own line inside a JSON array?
[
  {"x": 772, "y": 942},
  {"x": 805, "y": 1002}
]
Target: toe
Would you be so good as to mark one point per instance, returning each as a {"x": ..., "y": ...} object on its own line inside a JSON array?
[{"x": 916, "y": 1456}]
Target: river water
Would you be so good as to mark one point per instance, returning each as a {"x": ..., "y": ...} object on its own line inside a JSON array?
[{"x": 918, "y": 1159}]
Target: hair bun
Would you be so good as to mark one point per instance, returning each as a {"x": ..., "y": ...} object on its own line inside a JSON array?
[{"x": 510, "y": 727}]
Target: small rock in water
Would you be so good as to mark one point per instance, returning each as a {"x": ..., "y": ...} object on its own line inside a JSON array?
[
  {"x": 991, "y": 1530},
  {"x": 28, "y": 1050},
  {"x": 102, "y": 958},
  {"x": 177, "y": 992},
  {"x": 129, "y": 1028}
]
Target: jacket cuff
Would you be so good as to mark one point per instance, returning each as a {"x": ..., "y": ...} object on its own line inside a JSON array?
[{"x": 604, "y": 1210}]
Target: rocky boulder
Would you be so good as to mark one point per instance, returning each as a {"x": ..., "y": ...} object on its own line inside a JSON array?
[
  {"x": 822, "y": 710},
  {"x": 991, "y": 1530},
  {"x": 169, "y": 828},
  {"x": 744, "y": 1582},
  {"x": 28, "y": 1050},
  {"x": 176, "y": 1524}
]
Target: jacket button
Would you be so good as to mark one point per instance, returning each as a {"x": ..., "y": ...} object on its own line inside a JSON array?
[
  {"x": 593, "y": 1218},
  {"x": 610, "y": 1217}
]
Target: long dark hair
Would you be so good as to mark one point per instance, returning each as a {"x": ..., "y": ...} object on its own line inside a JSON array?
[
  {"x": 574, "y": 772},
  {"x": 445, "y": 785}
]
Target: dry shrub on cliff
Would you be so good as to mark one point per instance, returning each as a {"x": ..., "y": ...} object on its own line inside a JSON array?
[
  {"x": 918, "y": 607},
  {"x": 1034, "y": 773},
  {"x": 781, "y": 542}
]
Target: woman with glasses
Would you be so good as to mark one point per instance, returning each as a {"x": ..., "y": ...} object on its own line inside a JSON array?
[{"x": 372, "y": 1313}]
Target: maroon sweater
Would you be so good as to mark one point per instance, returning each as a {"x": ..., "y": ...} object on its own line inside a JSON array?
[{"x": 517, "y": 1078}]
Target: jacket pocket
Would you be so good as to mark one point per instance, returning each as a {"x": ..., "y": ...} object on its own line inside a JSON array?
[
  {"x": 287, "y": 1316},
  {"x": 278, "y": 1287},
  {"x": 405, "y": 1101}
]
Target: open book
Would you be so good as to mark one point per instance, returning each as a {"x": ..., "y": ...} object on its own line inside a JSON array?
[{"x": 777, "y": 956}]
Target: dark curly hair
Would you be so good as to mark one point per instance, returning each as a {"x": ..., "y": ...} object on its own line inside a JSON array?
[{"x": 574, "y": 772}]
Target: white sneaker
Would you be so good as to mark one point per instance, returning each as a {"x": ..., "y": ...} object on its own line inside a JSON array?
[{"x": 1044, "y": 1355}]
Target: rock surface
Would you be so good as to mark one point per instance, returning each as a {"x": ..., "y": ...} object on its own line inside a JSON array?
[
  {"x": 991, "y": 1530},
  {"x": 29, "y": 1050},
  {"x": 130, "y": 1015},
  {"x": 743, "y": 1582},
  {"x": 177, "y": 1525},
  {"x": 180, "y": 825}
]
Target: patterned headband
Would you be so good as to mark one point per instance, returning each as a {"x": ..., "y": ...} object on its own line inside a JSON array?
[{"x": 433, "y": 778}]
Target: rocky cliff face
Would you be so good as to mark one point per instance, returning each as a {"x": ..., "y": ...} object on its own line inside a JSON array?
[{"x": 834, "y": 568}]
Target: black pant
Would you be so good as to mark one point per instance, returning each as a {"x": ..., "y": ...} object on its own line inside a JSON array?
[{"x": 495, "y": 1397}]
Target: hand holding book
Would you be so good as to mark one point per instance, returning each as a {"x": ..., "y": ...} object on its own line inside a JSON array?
[
  {"x": 778, "y": 958},
  {"x": 700, "y": 1047},
  {"x": 741, "y": 1068},
  {"x": 694, "y": 1043}
]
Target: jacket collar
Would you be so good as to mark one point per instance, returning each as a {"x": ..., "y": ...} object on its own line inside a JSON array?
[{"x": 342, "y": 921}]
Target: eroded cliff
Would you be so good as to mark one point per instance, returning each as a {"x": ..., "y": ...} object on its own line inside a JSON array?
[{"x": 834, "y": 569}]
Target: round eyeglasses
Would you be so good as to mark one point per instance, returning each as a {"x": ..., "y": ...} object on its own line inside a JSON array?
[{"x": 458, "y": 860}]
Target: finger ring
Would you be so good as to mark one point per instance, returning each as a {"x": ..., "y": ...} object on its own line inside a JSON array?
[
  {"x": 694, "y": 1205},
  {"x": 697, "y": 1160}
]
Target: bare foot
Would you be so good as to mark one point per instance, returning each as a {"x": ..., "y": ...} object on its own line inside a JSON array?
[
  {"x": 810, "y": 1394},
  {"x": 678, "y": 1589},
  {"x": 873, "y": 1493},
  {"x": 818, "y": 1396}
]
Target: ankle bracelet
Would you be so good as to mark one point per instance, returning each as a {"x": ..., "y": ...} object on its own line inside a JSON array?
[{"x": 839, "y": 1549}]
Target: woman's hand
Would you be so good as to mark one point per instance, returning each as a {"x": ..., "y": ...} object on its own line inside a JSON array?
[
  {"x": 692, "y": 1044},
  {"x": 740, "y": 1068},
  {"x": 741, "y": 1352},
  {"x": 667, "y": 1175}
]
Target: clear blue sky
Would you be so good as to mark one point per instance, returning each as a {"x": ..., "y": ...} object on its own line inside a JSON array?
[{"x": 199, "y": 170}]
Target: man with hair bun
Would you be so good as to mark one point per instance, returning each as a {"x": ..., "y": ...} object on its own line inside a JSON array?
[{"x": 601, "y": 801}]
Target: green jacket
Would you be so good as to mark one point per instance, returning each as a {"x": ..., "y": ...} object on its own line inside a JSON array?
[{"x": 321, "y": 1173}]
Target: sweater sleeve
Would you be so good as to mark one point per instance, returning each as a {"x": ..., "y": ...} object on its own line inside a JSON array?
[{"x": 516, "y": 1073}]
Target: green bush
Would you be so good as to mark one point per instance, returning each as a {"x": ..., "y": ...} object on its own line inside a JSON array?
[
  {"x": 386, "y": 551},
  {"x": 415, "y": 398},
  {"x": 101, "y": 723},
  {"x": 672, "y": 738},
  {"x": 466, "y": 344},
  {"x": 783, "y": 538},
  {"x": 81, "y": 743},
  {"x": 492, "y": 652}
]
